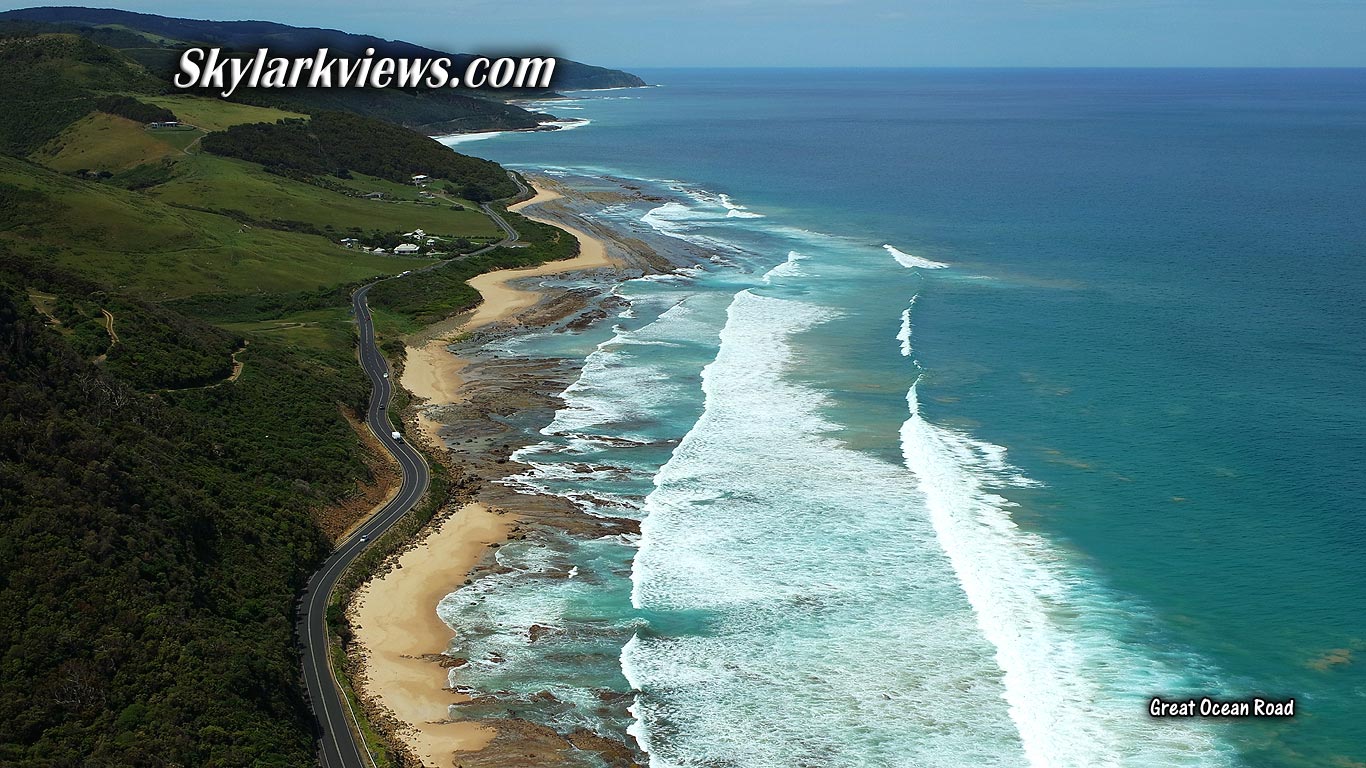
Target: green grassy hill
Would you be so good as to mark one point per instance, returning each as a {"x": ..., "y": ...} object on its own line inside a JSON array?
[
  {"x": 152, "y": 545},
  {"x": 140, "y": 245},
  {"x": 142, "y": 31},
  {"x": 47, "y": 81},
  {"x": 103, "y": 142},
  {"x": 177, "y": 362},
  {"x": 154, "y": 43},
  {"x": 226, "y": 184}
]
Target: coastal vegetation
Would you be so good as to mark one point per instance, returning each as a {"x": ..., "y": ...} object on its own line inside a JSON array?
[
  {"x": 154, "y": 42},
  {"x": 131, "y": 108},
  {"x": 427, "y": 297},
  {"x": 177, "y": 370},
  {"x": 336, "y": 143},
  {"x": 47, "y": 81},
  {"x": 153, "y": 545},
  {"x": 159, "y": 251},
  {"x": 333, "y": 207}
]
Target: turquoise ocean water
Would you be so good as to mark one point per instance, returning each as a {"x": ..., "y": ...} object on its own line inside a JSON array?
[{"x": 997, "y": 403}]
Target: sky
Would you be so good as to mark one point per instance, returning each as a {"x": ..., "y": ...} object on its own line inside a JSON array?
[{"x": 838, "y": 33}]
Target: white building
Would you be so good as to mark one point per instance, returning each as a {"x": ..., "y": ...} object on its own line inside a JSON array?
[{"x": 406, "y": 248}]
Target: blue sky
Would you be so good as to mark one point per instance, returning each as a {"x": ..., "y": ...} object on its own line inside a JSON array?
[{"x": 641, "y": 33}]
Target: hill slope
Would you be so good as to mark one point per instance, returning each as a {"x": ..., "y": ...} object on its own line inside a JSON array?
[
  {"x": 290, "y": 40},
  {"x": 154, "y": 41},
  {"x": 178, "y": 388}
]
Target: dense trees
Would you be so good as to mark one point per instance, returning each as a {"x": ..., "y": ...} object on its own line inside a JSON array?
[
  {"x": 49, "y": 81},
  {"x": 155, "y": 531},
  {"x": 131, "y": 108},
  {"x": 334, "y": 142},
  {"x": 427, "y": 297},
  {"x": 151, "y": 548}
]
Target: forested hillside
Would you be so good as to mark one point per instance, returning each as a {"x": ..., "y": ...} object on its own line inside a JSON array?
[
  {"x": 178, "y": 388},
  {"x": 334, "y": 143},
  {"x": 47, "y": 81},
  {"x": 152, "y": 547},
  {"x": 109, "y": 25},
  {"x": 155, "y": 42}
]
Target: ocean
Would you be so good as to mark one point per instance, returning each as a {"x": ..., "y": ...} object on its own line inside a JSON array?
[{"x": 997, "y": 403}]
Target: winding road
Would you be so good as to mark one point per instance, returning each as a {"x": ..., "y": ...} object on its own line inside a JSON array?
[{"x": 339, "y": 746}]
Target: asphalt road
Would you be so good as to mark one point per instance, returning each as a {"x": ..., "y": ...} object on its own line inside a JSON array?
[{"x": 337, "y": 746}]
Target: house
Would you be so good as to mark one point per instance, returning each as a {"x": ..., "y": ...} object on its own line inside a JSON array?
[
  {"x": 421, "y": 179},
  {"x": 349, "y": 242},
  {"x": 406, "y": 248}
]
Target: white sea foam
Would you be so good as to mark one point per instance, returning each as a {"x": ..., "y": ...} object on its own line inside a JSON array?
[
  {"x": 912, "y": 262},
  {"x": 909, "y": 622},
  {"x": 832, "y": 630},
  {"x": 454, "y": 139},
  {"x": 545, "y": 103},
  {"x": 736, "y": 211},
  {"x": 616, "y": 385},
  {"x": 789, "y": 268},
  {"x": 566, "y": 125},
  {"x": 550, "y": 589},
  {"x": 904, "y": 335},
  {"x": 465, "y": 138},
  {"x": 681, "y": 222},
  {"x": 1074, "y": 689}
]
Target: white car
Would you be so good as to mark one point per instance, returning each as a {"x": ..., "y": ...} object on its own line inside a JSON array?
[{"x": 386, "y": 375}]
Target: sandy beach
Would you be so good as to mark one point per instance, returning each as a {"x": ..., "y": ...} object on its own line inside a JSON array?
[
  {"x": 433, "y": 373},
  {"x": 501, "y": 300},
  {"x": 394, "y": 618}
]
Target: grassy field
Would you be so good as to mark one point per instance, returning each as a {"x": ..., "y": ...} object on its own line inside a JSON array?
[
  {"x": 161, "y": 511},
  {"x": 226, "y": 184},
  {"x": 326, "y": 329},
  {"x": 181, "y": 138},
  {"x": 367, "y": 184},
  {"x": 157, "y": 251},
  {"x": 103, "y": 142},
  {"x": 246, "y": 191},
  {"x": 214, "y": 114}
]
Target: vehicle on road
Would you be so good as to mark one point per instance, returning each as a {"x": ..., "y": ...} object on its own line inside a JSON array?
[{"x": 338, "y": 746}]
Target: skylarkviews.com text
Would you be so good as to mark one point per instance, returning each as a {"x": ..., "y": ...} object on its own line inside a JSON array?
[{"x": 224, "y": 72}]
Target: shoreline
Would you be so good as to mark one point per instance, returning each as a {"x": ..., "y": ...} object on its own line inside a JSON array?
[
  {"x": 401, "y": 655},
  {"x": 435, "y": 374},
  {"x": 502, "y": 300},
  {"x": 399, "y": 647},
  {"x": 463, "y": 137}
]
